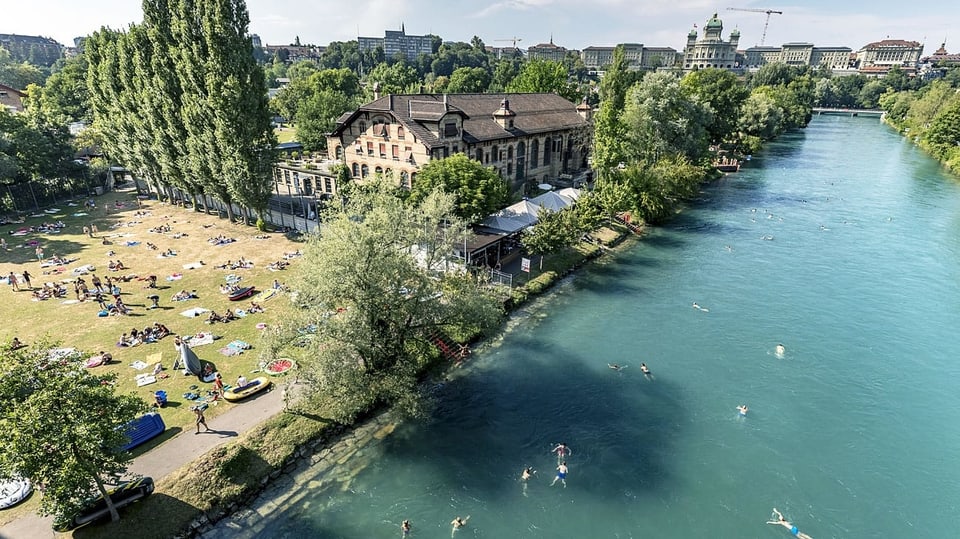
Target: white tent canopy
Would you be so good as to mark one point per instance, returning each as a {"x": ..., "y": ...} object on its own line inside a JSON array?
[{"x": 524, "y": 213}]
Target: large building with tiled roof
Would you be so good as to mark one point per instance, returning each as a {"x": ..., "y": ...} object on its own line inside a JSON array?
[
  {"x": 942, "y": 57},
  {"x": 527, "y": 138},
  {"x": 890, "y": 52},
  {"x": 547, "y": 51}
]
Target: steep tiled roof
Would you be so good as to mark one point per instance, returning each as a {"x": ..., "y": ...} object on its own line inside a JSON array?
[{"x": 534, "y": 113}]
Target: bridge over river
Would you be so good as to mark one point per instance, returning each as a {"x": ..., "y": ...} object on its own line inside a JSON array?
[{"x": 847, "y": 112}]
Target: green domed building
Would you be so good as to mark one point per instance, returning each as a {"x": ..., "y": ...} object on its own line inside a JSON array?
[{"x": 711, "y": 50}]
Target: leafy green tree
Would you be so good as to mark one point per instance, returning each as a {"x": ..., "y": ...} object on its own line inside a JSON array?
[
  {"x": 468, "y": 80},
  {"x": 503, "y": 74},
  {"x": 944, "y": 133},
  {"x": 609, "y": 147},
  {"x": 317, "y": 116},
  {"x": 63, "y": 427},
  {"x": 544, "y": 76},
  {"x": 478, "y": 191},
  {"x": 554, "y": 231},
  {"x": 661, "y": 121},
  {"x": 63, "y": 98},
  {"x": 393, "y": 79},
  {"x": 20, "y": 74},
  {"x": 723, "y": 93},
  {"x": 761, "y": 117},
  {"x": 377, "y": 286}
]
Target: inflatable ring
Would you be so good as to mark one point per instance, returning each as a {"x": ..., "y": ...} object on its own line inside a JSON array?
[{"x": 279, "y": 366}]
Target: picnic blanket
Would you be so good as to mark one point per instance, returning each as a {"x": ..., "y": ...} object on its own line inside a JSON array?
[
  {"x": 175, "y": 277},
  {"x": 139, "y": 365},
  {"x": 194, "y": 312},
  {"x": 193, "y": 265},
  {"x": 83, "y": 270},
  {"x": 234, "y": 348},
  {"x": 145, "y": 379},
  {"x": 204, "y": 337}
]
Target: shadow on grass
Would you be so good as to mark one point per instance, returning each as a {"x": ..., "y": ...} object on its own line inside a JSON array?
[{"x": 158, "y": 515}]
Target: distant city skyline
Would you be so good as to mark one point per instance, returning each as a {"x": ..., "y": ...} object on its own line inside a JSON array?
[{"x": 571, "y": 23}]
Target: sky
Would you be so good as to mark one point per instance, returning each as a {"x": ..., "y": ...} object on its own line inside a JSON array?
[{"x": 574, "y": 24}]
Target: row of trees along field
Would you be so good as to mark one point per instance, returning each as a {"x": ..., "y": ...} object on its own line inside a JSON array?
[{"x": 180, "y": 101}]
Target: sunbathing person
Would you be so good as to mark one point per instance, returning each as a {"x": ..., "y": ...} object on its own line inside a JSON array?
[
  {"x": 255, "y": 308},
  {"x": 214, "y": 317},
  {"x": 228, "y": 316},
  {"x": 160, "y": 330}
]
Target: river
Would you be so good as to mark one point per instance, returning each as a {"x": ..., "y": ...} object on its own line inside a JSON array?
[{"x": 840, "y": 241}]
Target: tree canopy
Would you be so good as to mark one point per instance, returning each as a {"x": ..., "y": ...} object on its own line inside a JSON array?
[
  {"x": 63, "y": 426},
  {"x": 478, "y": 190},
  {"x": 375, "y": 287}
]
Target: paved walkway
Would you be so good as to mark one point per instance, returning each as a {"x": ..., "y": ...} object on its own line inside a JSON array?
[{"x": 172, "y": 454}]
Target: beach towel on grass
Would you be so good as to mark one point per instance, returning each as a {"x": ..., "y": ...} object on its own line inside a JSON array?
[
  {"x": 194, "y": 312},
  {"x": 193, "y": 265},
  {"x": 132, "y": 243},
  {"x": 239, "y": 345},
  {"x": 145, "y": 379},
  {"x": 229, "y": 351},
  {"x": 139, "y": 365},
  {"x": 175, "y": 277},
  {"x": 200, "y": 339}
]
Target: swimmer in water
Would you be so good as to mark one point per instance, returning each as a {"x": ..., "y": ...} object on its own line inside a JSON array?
[
  {"x": 562, "y": 451},
  {"x": 616, "y": 366},
  {"x": 786, "y": 524},
  {"x": 699, "y": 308},
  {"x": 742, "y": 409},
  {"x": 644, "y": 369},
  {"x": 561, "y": 474},
  {"x": 458, "y": 523},
  {"x": 780, "y": 350},
  {"x": 405, "y": 527},
  {"x": 525, "y": 477}
]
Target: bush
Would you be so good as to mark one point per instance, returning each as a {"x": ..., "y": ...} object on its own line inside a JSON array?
[{"x": 261, "y": 224}]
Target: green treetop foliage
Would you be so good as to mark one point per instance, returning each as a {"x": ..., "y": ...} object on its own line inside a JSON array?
[
  {"x": 453, "y": 56},
  {"x": 393, "y": 79},
  {"x": 375, "y": 287},
  {"x": 931, "y": 117},
  {"x": 478, "y": 191},
  {"x": 468, "y": 80},
  {"x": 554, "y": 231},
  {"x": 19, "y": 74},
  {"x": 63, "y": 427},
  {"x": 63, "y": 98},
  {"x": 544, "y": 76},
  {"x": 317, "y": 116},
  {"x": 723, "y": 93},
  {"x": 33, "y": 152},
  {"x": 662, "y": 121},
  {"x": 504, "y": 71},
  {"x": 609, "y": 139},
  {"x": 761, "y": 117},
  {"x": 342, "y": 82}
]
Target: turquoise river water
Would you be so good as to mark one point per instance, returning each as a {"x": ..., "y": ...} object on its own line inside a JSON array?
[{"x": 841, "y": 241}]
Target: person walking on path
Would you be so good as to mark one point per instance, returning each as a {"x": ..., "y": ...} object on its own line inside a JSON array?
[
  {"x": 26, "y": 278},
  {"x": 198, "y": 411},
  {"x": 12, "y": 279}
]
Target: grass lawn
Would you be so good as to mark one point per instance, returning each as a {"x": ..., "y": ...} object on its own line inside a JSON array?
[
  {"x": 286, "y": 134},
  {"x": 77, "y": 325}
]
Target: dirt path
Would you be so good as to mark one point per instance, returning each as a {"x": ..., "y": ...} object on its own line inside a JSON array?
[{"x": 173, "y": 454}]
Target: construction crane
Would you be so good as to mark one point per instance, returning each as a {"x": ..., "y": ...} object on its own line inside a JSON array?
[
  {"x": 765, "y": 24},
  {"x": 512, "y": 39}
]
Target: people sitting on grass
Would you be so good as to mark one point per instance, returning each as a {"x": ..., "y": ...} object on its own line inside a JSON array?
[
  {"x": 160, "y": 331},
  {"x": 152, "y": 247},
  {"x": 15, "y": 344},
  {"x": 255, "y": 308},
  {"x": 214, "y": 317},
  {"x": 278, "y": 265},
  {"x": 116, "y": 266},
  {"x": 229, "y": 315},
  {"x": 183, "y": 295},
  {"x": 220, "y": 240},
  {"x": 228, "y": 288}
]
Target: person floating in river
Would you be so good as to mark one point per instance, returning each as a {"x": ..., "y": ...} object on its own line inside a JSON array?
[
  {"x": 786, "y": 524},
  {"x": 562, "y": 451}
]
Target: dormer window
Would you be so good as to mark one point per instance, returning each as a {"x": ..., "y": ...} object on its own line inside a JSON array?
[
  {"x": 450, "y": 129},
  {"x": 363, "y": 126},
  {"x": 400, "y": 134}
]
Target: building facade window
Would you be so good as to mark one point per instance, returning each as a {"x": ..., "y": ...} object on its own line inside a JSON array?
[
  {"x": 396, "y": 152},
  {"x": 356, "y": 170},
  {"x": 364, "y": 171},
  {"x": 404, "y": 179},
  {"x": 383, "y": 150},
  {"x": 369, "y": 148},
  {"x": 378, "y": 170},
  {"x": 496, "y": 153},
  {"x": 509, "y": 152},
  {"x": 338, "y": 151},
  {"x": 534, "y": 153},
  {"x": 400, "y": 133}
]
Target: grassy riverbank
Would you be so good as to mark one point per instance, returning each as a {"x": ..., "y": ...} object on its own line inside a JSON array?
[{"x": 227, "y": 477}]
